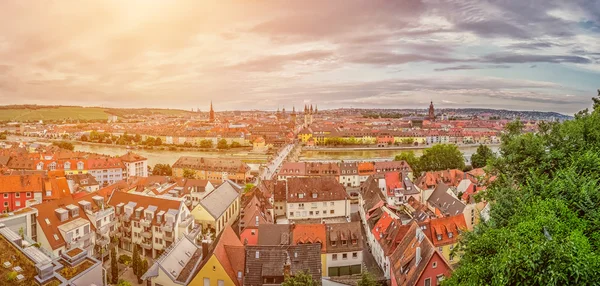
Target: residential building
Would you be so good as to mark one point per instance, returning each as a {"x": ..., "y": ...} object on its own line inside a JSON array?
[
  {"x": 344, "y": 249},
  {"x": 256, "y": 212},
  {"x": 135, "y": 165},
  {"x": 311, "y": 234},
  {"x": 22, "y": 221},
  {"x": 82, "y": 182},
  {"x": 316, "y": 198},
  {"x": 177, "y": 265},
  {"x": 213, "y": 169},
  {"x": 224, "y": 263},
  {"x": 153, "y": 223},
  {"x": 416, "y": 261},
  {"x": 270, "y": 264},
  {"x": 17, "y": 190},
  {"x": 349, "y": 176},
  {"x": 399, "y": 188},
  {"x": 107, "y": 171},
  {"x": 42, "y": 268},
  {"x": 219, "y": 209},
  {"x": 444, "y": 234}
]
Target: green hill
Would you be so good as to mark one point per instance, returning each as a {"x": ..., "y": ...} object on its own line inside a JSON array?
[{"x": 52, "y": 113}]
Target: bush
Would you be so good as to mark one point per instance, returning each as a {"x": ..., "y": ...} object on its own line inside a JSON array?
[
  {"x": 11, "y": 276},
  {"x": 125, "y": 259}
]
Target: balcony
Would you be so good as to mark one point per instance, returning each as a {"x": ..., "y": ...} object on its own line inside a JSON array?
[
  {"x": 146, "y": 234},
  {"x": 167, "y": 227},
  {"x": 127, "y": 218},
  {"x": 169, "y": 238},
  {"x": 186, "y": 222},
  {"x": 145, "y": 223},
  {"x": 102, "y": 241},
  {"x": 146, "y": 245},
  {"x": 126, "y": 239}
]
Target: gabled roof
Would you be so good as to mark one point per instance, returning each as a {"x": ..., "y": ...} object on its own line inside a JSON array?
[
  {"x": 309, "y": 233},
  {"x": 274, "y": 234},
  {"x": 253, "y": 209},
  {"x": 315, "y": 189},
  {"x": 21, "y": 183},
  {"x": 219, "y": 199},
  {"x": 338, "y": 232},
  {"x": 179, "y": 263},
  {"x": 442, "y": 227},
  {"x": 227, "y": 250},
  {"x": 131, "y": 157},
  {"x": 268, "y": 261},
  {"x": 444, "y": 202}
]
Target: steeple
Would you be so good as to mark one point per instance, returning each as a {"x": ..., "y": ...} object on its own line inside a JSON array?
[
  {"x": 316, "y": 109},
  {"x": 211, "y": 114},
  {"x": 431, "y": 113},
  {"x": 311, "y": 109}
]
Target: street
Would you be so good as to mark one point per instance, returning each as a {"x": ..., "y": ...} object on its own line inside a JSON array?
[{"x": 272, "y": 166}]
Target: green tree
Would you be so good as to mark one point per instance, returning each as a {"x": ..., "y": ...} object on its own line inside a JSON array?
[
  {"x": 137, "y": 138},
  {"x": 189, "y": 174},
  {"x": 123, "y": 283},
  {"x": 248, "y": 187},
  {"x": 162, "y": 170},
  {"x": 150, "y": 141},
  {"x": 64, "y": 145},
  {"x": 410, "y": 158},
  {"x": 206, "y": 143},
  {"x": 136, "y": 259},
  {"x": 158, "y": 141},
  {"x": 222, "y": 144},
  {"x": 235, "y": 144},
  {"x": 114, "y": 267},
  {"x": 367, "y": 279},
  {"x": 480, "y": 158},
  {"x": 143, "y": 268},
  {"x": 441, "y": 157},
  {"x": 300, "y": 279}
]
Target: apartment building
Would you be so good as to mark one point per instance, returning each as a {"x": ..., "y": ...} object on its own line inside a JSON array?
[
  {"x": 153, "y": 223},
  {"x": 349, "y": 174},
  {"x": 22, "y": 221},
  {"x": 17, "y": 191},
  {"x": 135, "y": 165},
  {"x": 213, "y": 169},
  {"x": 316, "y": 198},
  {"x": 344, "y": 251},
  {"x": 106, "y": 170}
]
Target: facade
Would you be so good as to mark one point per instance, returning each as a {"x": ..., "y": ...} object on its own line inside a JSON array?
[
  {"x": 107, "y": 171},
  {"x": 269, "y": 264},
  {"x": 349, "y": 174},
  {"x": 213, "y": 169},
  {"x": 16, "y": 191},
  {"x": 22, "y": 221},
  {"x": 316, "y": 198},
  {"x": 82, "y": 182},
  {"x": 219, "y": 209},
  {"x": 257, "y": 211},
  {"x": 135, "y": 165},
  {"x": 224, "y": 263},
  {"x": 444, "y": 234},
  {"x": 176, "y": 266},
  {"x": 153, "y": 223},
  {"x": 344, "y": 251}
]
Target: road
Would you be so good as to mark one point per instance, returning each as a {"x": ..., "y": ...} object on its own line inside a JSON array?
[{"x": 272, "y": 166}]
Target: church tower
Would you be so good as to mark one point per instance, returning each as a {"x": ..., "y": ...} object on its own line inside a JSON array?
[
  {"x": 305, "y": 115},
  {"x": 211, "y": 114},
  {"x": 431, "y": 115},
  {"x": 293, "y": 116}
]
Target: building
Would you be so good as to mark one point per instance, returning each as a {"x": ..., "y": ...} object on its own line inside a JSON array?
[
  {"x": 444, "y": 234},
  {"x": 431, "y": 112},
  {"x": 270, "y": 264},
  {"x": 135, "y": 165},
  {"x": 311, "y": 234},
  {"x": 82, "y": 182},
  {"x": 257, "y": 211},
  {"x": 153, "y": 223},
  {"x": 349, "y": 174},
  {"x": 112, "y": 118},
  {"x": 224, "y": 263},
  {"x": 17, "y": 190},
  {"x": 42, "y": 268},
  {"x": 22, "y": 221},
  {"x": 213, "y": 169},
  {"x": 211, "y": 113},
  {"x": 177, "y": 265},
  {"x": 417, "y": 262},
  {"x": 107, "y": 171},
  {"x": 219, "y": 209},
  {"x": 344, "y": 250},
  {"x": 316, "y": 198},
  {"x": 398, "y": 188}
]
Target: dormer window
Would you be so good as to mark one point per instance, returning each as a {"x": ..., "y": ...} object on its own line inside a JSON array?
[
  {"x": 67, "y": 165},
  {"x": 354, "y": 241},
  {"x": 439, "y": 237},
  {"x": 450, "y": 234},
  {"x": 314, "y": 195},
  {"x": 344, "y": 242},
  {"x": 333, "y": 243}
]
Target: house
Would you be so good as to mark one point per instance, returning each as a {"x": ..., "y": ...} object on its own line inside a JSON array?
[
  {"x": 416, "y": 261},
  {"x": 274, "y": 234},
  {"x": 257, "y": 211},
  {"x": 22, "y": 221},
  {"x": 316, "y": 198},
  {"x": 219, "y": 209},
  {"x": 443, "y": 203},
  {"x": 135, "y": 165},
  {"x": 365, "y": 169},
  {"x": 82, "y": 182},
  {"x": 152, "y": 223},
  {"x": 349, "y": 174},
  {"x": 399, "y": 188},
  {"x": 344, "y": 249},
  {"x": 17, "y": 190},
  {"x": 392, "y": 166},
  {"x": 291, "y": 170},
  {"x": 312, "y": 234},
  {"x": 444, "y": 233},
  {"x": 177, "y": 265},
  {"x": 224, "y": 263},
  {"x": 106, "y": 170},
  {"x": 213, "y": 169},
  {"x": 40, "y": 268},
  {"x": 270, "y": 264}
]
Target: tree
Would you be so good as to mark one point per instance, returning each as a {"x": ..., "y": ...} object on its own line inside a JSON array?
[
  {"x": 300, "y": 279},
  {"x": 150, "y": 141},
  {"x": 235, "y": 144},
  {"x": 441, "y": 157},
  {"x": 137, "y": 138},
  {"x": 367, "y": 279},
  {"x": 189, "y": 174},
  {"x": 3, "y": 135},
  {"x": 158, "y": 141},
  {"x": 136, "y": 259},
  {"x": 222, "y": 144},
  {"x": 64, "y": 145},
  {"x": 204, "y": 144},
  {"x": 162, "y": 170},
  {"x": 114, "y": 267},
  {"x": 596, "y": 101},
  {"x": 248, "y": 187},
  {"x": 123, "y": 283},
  {"x": 410, "y": 158},
  {"x": 143, "y": 269},
  {"x": 482, "y": 156}
]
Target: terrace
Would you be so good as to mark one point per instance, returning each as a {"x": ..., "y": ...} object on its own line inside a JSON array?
[{"x": 14, "y": 256}]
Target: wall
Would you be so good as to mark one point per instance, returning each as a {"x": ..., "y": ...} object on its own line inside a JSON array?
[
  {"x": 340, "y": 261},
  {"x": 340, "y": 208},
  {"x": 213, "y": 270},
  {"x": 92, "y": 276},
  {"x": 431, "y": 272}
]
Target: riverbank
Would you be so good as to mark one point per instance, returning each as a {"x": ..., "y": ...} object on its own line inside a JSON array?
[{"x": 390, "y": 148}]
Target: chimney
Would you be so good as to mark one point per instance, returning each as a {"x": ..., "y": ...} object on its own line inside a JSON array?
[
  {"x": 418, "y": 256},
  {"x": 287, "y": 266},
  {"x": 204, "y": 249}
]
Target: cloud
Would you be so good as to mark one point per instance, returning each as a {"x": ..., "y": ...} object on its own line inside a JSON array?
[
  {"x": 528, "y": 58},
  {"x": 471, "y": 67}
]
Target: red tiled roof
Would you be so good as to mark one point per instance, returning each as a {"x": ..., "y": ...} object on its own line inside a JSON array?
[
  {"x": 309, "y": 233},
  {"x": 132, "y": 157},
  {"x": 21, "y": 183},
  {"x": 441, "y": 227},
  {"x": 232, "y": 264}
]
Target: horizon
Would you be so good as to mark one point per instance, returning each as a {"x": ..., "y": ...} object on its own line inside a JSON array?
[{"x": 540, "y": 56}]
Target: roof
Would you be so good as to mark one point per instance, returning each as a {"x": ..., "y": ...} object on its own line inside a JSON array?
[
  {"x": 268, "y": 261},
  {"x": 441, "y": 228},
  {"x": 178, "y": 263},
  {"x": 219, "y": 199},
  {"x": 212, "y": 164},
  {"x": 339, "y": 232},
  {"x": 310, "y": 233},
  {"x": 405, "y": 264},
  {"x": 230, "y": 253},
  {"x": 255, "y": 209},
  {"x": 21, "y": 183},
  {"x": 104, "y": 163},
  {"x": 430, "y": 180},
  {"x": 142, "y": 201},
  {"x": 293, "y": 169},
  {"x": 83, "y": 179},
  {"x": 131, "y": 157},
  {"x": 274, "y": 234},
  {"x": 386, "y": 166},
  {"x": 444, "y": 202},
  {"x": 315, "y": 189}
]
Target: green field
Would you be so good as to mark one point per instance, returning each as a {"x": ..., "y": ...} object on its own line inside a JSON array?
[{"x": 50, "y": 113}]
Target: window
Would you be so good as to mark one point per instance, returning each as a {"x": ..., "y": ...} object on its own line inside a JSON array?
[
  {"x": 17, "y": 203},
  {"x": 428, "y": 282},
  {"x": 451, "y": 257},
  {"x": 334, "y": 256},
  {"x": 257, "y": 255},
  {"x": 324, "y": 204},
  {"x": 253, "y": 232},
  {"x": 439, "y": 279},
  {"x": 440, "y": 249},
  {"x": 6, "y": 195},
  {"x": 450, "y": 234},
  {"x": 332, "y": 204},
  {"x": 206, "y": 281},
  {"x": 354, "y": 255},
  {"x": 434, "y": 265},
  {"x": 331, "y": 211},
  {"x": 17, "y": 195},
  {"x": 345, "y": 256},
  {"x": 291, "y": 213},
  {"x": 439, "y": 237},
  {"x": 310, "y": 213},
  {"x": 28, "y": 194}
]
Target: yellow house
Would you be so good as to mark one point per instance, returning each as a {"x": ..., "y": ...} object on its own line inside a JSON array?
[
  {"x": 445, "y": 233},
  {"x": 225, "y": 264},
  {"x": 305, "y": 135},
  {"x": 219, "y": 209}
]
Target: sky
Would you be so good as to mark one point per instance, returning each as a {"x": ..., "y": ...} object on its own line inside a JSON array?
[{"x": 539, "y": 55}]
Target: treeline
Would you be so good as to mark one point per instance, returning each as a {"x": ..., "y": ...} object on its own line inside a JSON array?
[{"x": 334, "y": 141}]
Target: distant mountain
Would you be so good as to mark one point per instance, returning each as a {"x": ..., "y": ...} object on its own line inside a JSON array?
[{"x": 58, "y": 113}]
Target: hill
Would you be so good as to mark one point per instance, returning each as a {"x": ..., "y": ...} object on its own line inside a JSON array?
[{"x": 51, "y": 113}]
